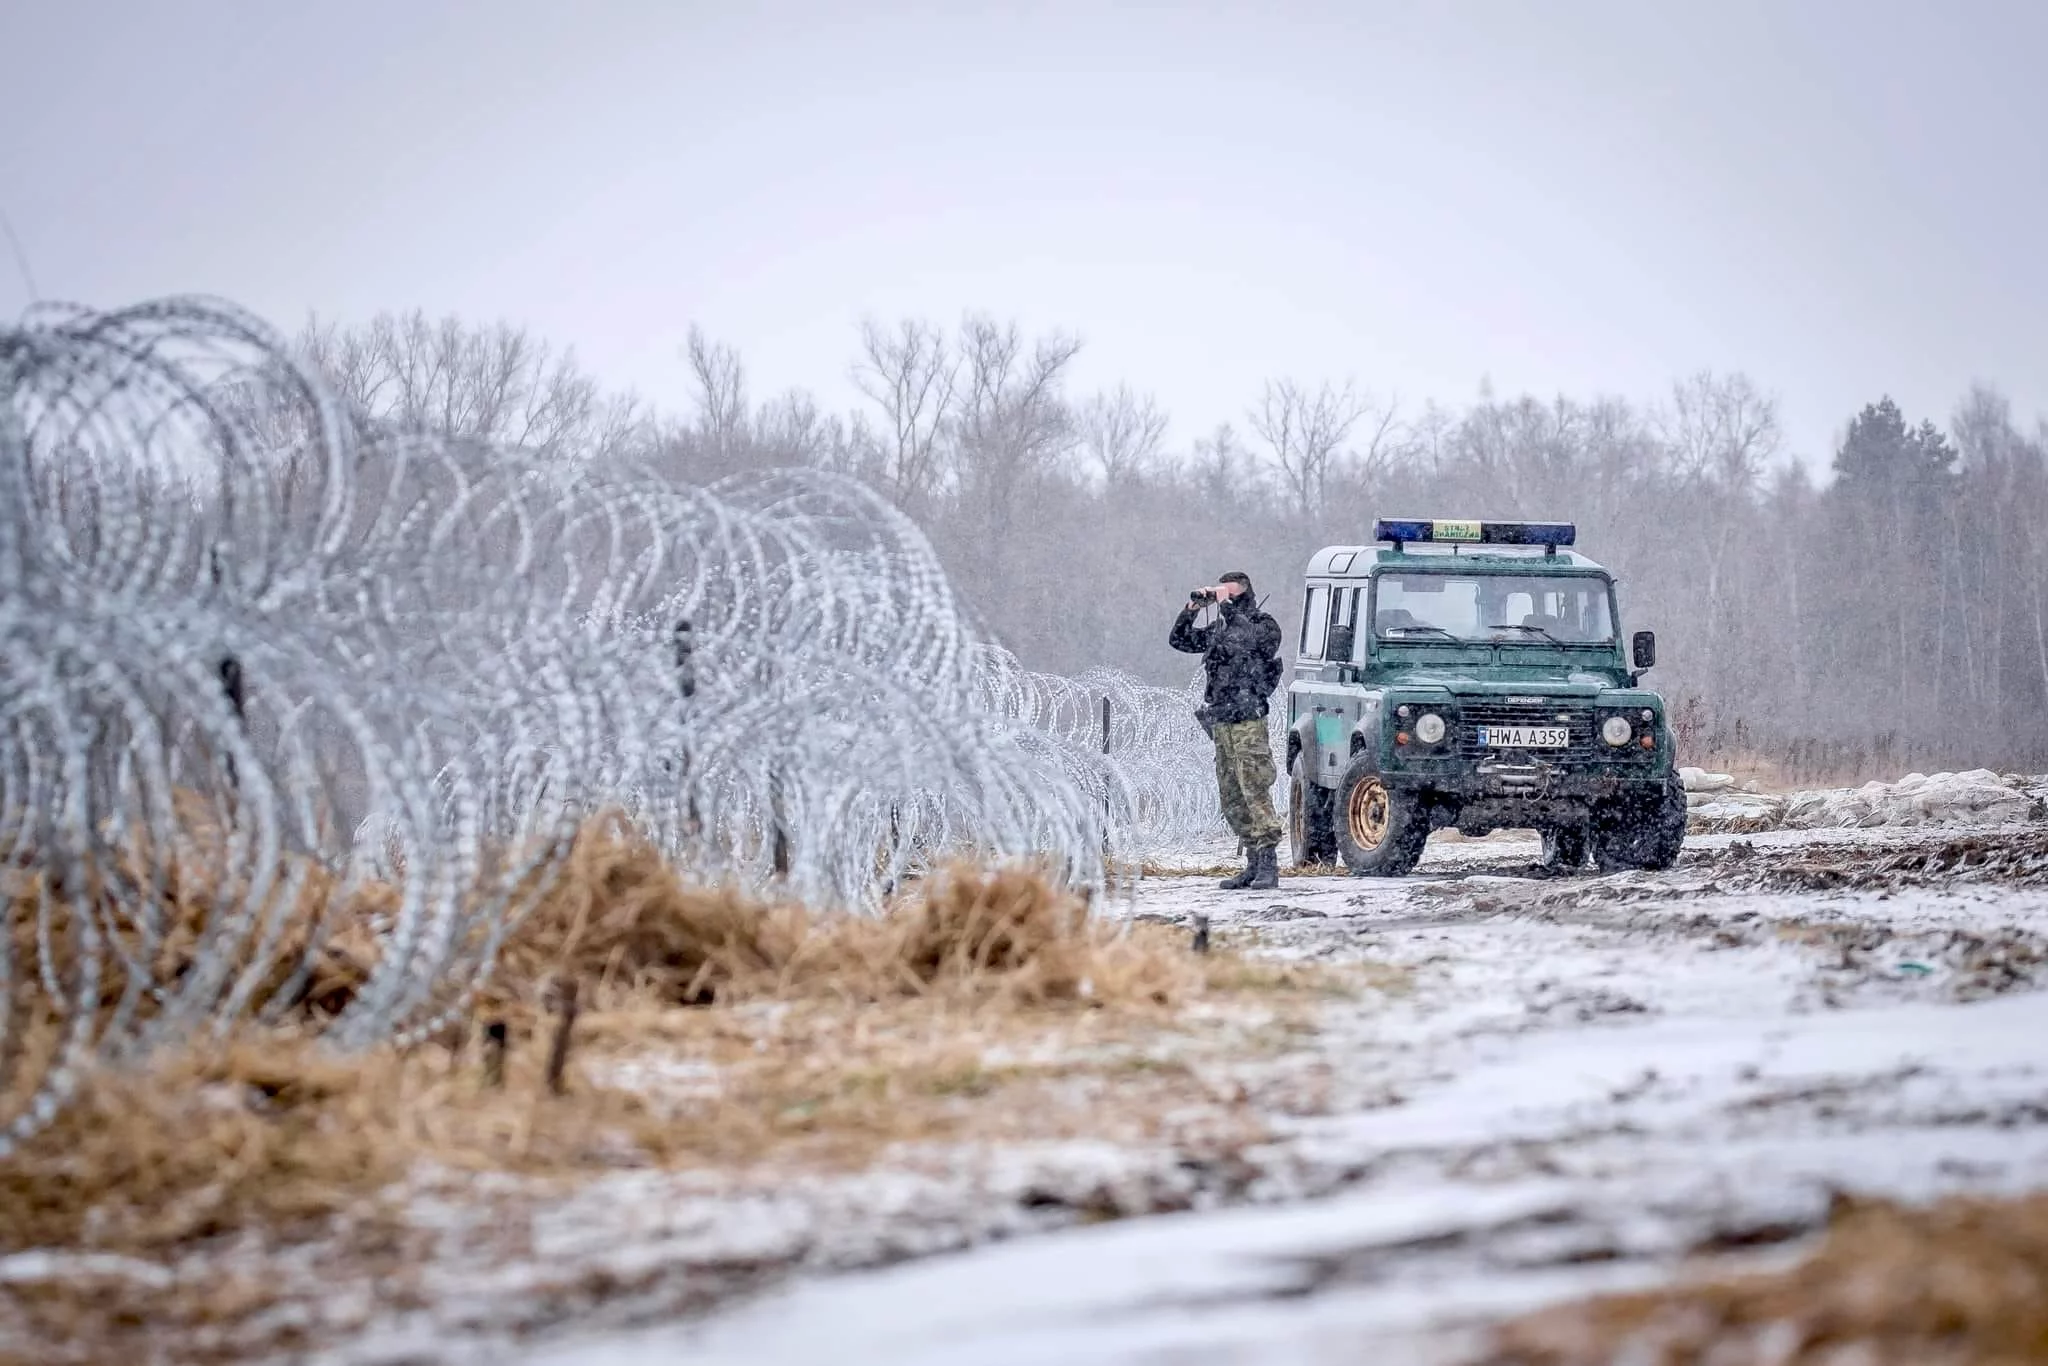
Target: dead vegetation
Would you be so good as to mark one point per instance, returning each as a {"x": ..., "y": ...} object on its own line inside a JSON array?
[
  {"x": 624, "y": 919},
  {"x": 2016, "y": 859},
  {"x": 984, "y": 1003},
  {"x": 260, "y": 1131},
  {"x": 1220, "y": 870},
  {"x": 717, "y": 1032},
  {"x": 309, "y": 913},
  {"x": 1963, "y": 1282}
]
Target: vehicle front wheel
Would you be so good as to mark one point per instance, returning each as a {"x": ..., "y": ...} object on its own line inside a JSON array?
[
  {"x": 1311, "y": 831},
  {"x": 1643, "y": 832},
  {"x": 1564, "y": 848},
  {"x": 1380, "y": 831}
]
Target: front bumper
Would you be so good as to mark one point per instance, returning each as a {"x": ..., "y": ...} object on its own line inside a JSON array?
[{"x": 1513, "y": 785}]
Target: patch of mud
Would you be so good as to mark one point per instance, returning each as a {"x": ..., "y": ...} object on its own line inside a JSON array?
[
  {"x": 2019, "y": 859},
  {"x": 1973, "y": 965},
  {"x": 1564, "y": 1236},
  {"x": 1280, "y": 913},
  {"x": 1583, "y": 1004},
  {"x": 1964, "y": 1280},
  {"x": 1521, "y": 868},
  {"x": 1868, "y": 920},
  {"x": 2015, "y": 860}
]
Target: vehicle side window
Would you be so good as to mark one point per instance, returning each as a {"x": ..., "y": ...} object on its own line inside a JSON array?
[
  {"x": 1315, "y": 621},
  {"x": 1344, "y": 612}
]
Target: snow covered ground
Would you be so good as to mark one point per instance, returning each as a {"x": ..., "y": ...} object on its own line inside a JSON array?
[
  {"x": 1559, "y": 1084},
  {"x": 1592, "y": 1079},
  {"x": 1975, "y": 797}
]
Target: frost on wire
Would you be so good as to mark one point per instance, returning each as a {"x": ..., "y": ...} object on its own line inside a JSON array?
[{"x": 360, "y": 657}]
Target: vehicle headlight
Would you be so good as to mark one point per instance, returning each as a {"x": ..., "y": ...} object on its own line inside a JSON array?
[
  {"x": 1616, "y": 730},
  {"x": 1430, "y": 728}
]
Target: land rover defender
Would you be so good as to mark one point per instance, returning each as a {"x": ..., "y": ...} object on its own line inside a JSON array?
[{"x": 1470, "y": 675}]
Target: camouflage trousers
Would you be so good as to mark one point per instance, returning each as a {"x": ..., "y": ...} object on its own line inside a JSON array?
[{"x": 1244, "y": 782}]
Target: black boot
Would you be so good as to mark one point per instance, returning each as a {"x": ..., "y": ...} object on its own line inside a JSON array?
[
  {"x": 1265, "y": 869},
  {"x": 1243, "y": 879}
]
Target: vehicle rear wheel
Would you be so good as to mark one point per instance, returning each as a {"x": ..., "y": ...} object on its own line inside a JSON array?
[
  {"x": 1311, "y": 832},
  {"x": 1380, "y": 831},
  {"x": 1564, "y": 848},
  {"x": 1641, "y": 832}
]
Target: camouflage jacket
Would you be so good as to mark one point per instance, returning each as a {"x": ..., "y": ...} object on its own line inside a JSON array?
[{"x": 1241, "y": 654}]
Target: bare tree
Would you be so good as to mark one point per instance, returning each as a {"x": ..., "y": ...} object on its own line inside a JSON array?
[
  {"x": 1719, "y": 434},
  {"x": 448, "y": 378},
  {"x": 909, "y": 373},
  {"x": 1722, "y": 430},
  {"x": 1012, "y": 422},
  {"x": 621, "y": 424},
  {"x": 1222, "y": 468},
  {"x": 1305, "y": 431},
  {"x": 721, "y": 383},
  {"x": 2037, "y": 550},
  {"x": 792, "y": 430},
  {"x": 1431, "y": 433},
  {"x": 1120, "y": 432}
]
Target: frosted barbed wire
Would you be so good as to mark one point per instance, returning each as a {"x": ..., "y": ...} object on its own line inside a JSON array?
[
  {"x": 161, "y": 847},
  {"x": 261, "y": 663},
  {"x": 1160, "y": 762},
  {"x": 453, "y": 653}
]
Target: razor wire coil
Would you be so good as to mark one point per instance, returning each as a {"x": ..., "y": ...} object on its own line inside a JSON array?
[{"x": 271, "y": 679}]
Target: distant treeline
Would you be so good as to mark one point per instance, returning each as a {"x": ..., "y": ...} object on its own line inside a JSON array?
[{"x": 1895, "y": 618}]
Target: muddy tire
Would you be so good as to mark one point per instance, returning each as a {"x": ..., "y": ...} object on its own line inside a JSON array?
[
  {"x": 1564, "y": 848},
  {"x": 1380, "y": 831},
  {"x": 1311, "y": 830},
  {"x": 1641, "y": 834}
]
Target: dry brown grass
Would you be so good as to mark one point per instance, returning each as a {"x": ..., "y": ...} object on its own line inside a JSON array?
[
  {"x": 616, "y": 916},
  {"x": 985, "y": 1003},
  {"x": 984, "y": 1006},
  {"x": 274, "y": 1132},
  {"x": 1960, "y": 1283},
  {"x": 623, "y": 919},
  {"x": 188, "y": 880},
  {"x": 260, "y": 1131},
  {"x": 620, "y": 917}
]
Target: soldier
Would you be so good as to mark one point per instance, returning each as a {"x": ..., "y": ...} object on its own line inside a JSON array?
[{"x": 1241, "y": 654}]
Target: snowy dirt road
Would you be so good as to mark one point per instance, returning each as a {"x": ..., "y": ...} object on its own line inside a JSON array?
[{"x": 1589, "y": 1080}]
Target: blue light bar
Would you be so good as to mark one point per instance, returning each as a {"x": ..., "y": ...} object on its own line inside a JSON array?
[{"x": 1401, "y": 530}]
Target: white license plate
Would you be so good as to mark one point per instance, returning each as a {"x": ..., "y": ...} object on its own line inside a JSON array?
[{"x": 1525, "y": 737}]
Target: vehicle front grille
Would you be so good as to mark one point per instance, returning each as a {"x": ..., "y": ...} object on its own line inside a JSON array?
[{"x": 1472, "y": 715}]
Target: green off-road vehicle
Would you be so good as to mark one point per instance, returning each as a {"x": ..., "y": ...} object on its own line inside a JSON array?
[{"x": 1471, "y": 675}]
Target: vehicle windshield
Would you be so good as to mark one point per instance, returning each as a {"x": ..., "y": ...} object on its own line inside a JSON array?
[{"x": 1537, "y": 609}]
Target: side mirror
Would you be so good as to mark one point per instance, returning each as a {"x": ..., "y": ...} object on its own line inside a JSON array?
[
  {"x": 1342, "y": 638},
  {"x": 1644, "y": 646}
]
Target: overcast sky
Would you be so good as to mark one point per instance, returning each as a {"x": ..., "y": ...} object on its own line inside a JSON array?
[{"x": 1843, "y": 199}]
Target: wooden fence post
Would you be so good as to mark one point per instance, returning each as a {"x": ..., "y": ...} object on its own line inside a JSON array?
[
  {"x": 563, "y": 1000},
  {"x": 1105, "y": 787}
]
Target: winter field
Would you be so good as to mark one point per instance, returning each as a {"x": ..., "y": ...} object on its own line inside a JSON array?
[
  {"x": 1506, "y": 1090},
  {"x": 468, "y": 907},
  {"x": 1582, "y": 1082}
]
